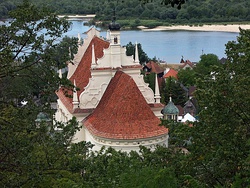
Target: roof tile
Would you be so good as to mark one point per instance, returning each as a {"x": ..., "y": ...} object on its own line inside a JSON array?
[
  {"x": 123, "y": 113},
  {"x": 170, "y": 73},
  {"x": 82, "y": 72}
]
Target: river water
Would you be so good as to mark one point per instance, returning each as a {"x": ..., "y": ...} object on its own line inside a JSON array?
[{"x": 169, "y": 46}]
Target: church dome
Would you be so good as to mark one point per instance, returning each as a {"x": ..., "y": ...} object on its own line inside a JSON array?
[{"x": 170, "y": 108}]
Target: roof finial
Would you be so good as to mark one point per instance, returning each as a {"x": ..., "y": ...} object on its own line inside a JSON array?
[
  {"x": 157, "y": 92},
  {"x": 79, "y": 39},
  {"x": 136, "y": 53},
  {"x": 93, "y": 55},
  {"x": 75, "y": 98}
]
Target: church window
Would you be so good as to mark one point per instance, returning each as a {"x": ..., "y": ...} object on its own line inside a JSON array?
[{"x": 115, "y": 40}]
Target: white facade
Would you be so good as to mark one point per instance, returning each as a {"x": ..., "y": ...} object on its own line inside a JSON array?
[
  {"x": 102, "y": 71},
  {"x": 125, "y": 145}
]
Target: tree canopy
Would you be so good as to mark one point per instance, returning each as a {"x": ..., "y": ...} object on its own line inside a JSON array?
[
  {"x": 130, "y": 51},
  {"x": 34, "y": 153},
  {"x": 161, "y": 11},
  {"x": 223, "y": 128}
]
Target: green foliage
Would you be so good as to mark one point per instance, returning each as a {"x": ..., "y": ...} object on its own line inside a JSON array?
[
  {"x": 36, "y": 155},
  {"x": 110, "y": 168},
  {"x": 130, "y": 51},
  {"x": 172, "y": 88},
  {"x": 32, "y": 154},
  {"x": 161, "y": 11},
  {"x": 29, "y": 48},
  {"x": 186, "y": 77},
  {"x": 206, "y": 65},
  {"x": 150, "y": 79},
  {"x": 223, "y": 131}
]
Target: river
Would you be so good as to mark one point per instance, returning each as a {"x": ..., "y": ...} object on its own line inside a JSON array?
[{"x": 169, "y": 46}]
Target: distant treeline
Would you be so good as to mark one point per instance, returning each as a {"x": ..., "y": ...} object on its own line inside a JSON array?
[{"x": 193, "y": 11}]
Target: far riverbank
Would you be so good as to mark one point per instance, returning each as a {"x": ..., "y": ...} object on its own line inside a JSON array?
[{"x": 220, "y": 28}]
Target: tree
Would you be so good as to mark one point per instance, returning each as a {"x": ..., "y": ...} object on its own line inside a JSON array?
[
  {"x": 206, "y": 65},
  {"x": 147, "y": 168},
  {"x": 186, "y": 77},
  {"x": 172, "y": 88},
  {"x": 35, "y": 154},
  {"x": 220, "y": 153},
  {"x": 143, "y": 58},
  {"x": 178, "y": 3}
]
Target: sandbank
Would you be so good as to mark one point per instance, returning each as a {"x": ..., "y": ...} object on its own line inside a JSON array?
[{"x": 222, "y": 28}]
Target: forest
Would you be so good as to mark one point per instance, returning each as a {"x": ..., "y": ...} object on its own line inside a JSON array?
[{"x": 135, "y": 11}]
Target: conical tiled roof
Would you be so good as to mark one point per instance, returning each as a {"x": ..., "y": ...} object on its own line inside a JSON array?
[{"x": 123, "y": 113}]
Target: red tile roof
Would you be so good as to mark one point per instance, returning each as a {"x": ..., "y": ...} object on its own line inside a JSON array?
[
  {"x": 123, "y": 113},
  {"x": 187, "y": 62},
  {"x": 154, "y": 67},
  {"x": 172, "y": 73},
  {"x": 82, "y": 72}
]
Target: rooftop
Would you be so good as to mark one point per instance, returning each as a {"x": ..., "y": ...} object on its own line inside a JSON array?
[{"x": 123, "y": 113}]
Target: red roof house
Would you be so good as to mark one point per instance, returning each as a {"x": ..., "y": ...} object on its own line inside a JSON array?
[
  {"x": 171, "y": 73},
  {"x": 187, "y": 64}
]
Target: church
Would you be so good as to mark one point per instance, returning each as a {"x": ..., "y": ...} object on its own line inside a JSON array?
[{"x": 114, "y": 105}]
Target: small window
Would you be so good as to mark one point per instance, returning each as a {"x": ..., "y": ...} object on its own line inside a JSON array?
[{"x": 115, "y": 40}]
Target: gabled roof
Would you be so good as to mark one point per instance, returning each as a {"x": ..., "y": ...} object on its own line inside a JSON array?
[
  {"x": 82, "y": 72},
  {"x": 187, "y": 62},
  {"x": 154, "y": 67},
  {"x": 123, "y": 113},
  {"x": 172, "y": 73}
]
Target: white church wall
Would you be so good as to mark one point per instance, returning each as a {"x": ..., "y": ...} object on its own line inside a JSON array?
[
  {"x": 125, "y": 145},
  {"x": 63, "y": 115},
  {"x": 93, "y": 92}
]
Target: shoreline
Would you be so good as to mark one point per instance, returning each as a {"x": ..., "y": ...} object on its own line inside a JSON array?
[{"x": 217, "y": 28}]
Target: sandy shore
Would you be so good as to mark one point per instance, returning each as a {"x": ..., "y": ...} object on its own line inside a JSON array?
[{"x": 223, "y": 28}]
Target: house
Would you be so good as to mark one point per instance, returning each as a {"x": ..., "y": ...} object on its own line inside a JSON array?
[
  {"x": 188, "y": 118},
  {"x": 114, "y": 105},
  {"x": 189, "y": 108},
  {"x": 152, "y": 66},
  {"x": 171, "y": 73},
  {"x": 186, "y": 64}
]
